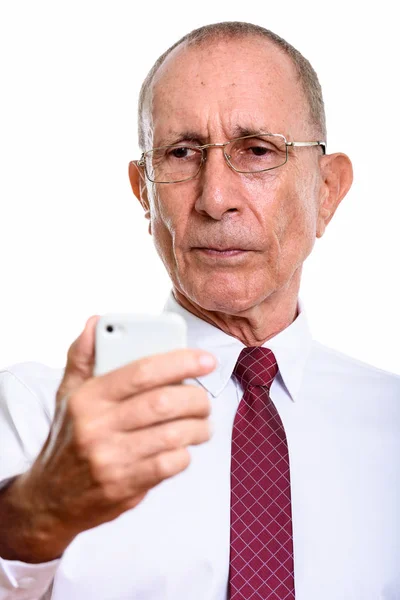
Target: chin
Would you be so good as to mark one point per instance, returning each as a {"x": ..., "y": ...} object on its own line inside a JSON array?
[{"x": 230, "y": 297}]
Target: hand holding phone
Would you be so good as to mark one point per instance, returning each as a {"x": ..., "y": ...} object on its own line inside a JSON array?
[{"x": 115, "y": 435}]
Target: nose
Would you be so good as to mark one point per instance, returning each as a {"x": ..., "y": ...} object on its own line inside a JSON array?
[{"x": 219, "y": 186}]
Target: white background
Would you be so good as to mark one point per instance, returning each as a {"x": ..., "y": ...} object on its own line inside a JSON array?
[{"x": 73, "y": 241}]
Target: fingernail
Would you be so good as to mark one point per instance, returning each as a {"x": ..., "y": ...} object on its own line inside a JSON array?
[
  {"x": 207, "y": 360},
  {"x": 91, "y": 319}
]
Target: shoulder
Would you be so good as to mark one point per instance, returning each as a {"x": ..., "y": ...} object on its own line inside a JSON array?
[
  {"x": 32, "y": 383},
  {"x": 325, "y": 362},
  {"x": 27, "y": 405}
]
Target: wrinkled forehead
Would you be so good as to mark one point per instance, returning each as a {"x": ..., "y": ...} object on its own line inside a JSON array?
[{"x": 226, "y": 86}]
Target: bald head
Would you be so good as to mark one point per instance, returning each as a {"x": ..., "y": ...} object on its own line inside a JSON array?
[{"x": 237, "y": 32}]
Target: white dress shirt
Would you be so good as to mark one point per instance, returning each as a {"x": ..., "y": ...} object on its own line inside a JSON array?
[{"x": 342, "y": 421}]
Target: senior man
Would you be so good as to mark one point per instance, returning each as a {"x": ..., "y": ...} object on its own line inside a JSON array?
[{"x": 101, "y": 498}]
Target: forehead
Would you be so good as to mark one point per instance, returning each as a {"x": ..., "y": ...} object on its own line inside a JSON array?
[{"x": 219, "y": 87}]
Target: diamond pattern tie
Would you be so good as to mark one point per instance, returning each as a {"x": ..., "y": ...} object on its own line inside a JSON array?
[{"x": 261, "y": 558}]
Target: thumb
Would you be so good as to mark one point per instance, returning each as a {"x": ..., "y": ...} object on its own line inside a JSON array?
[{"x": 80, "y": 359}]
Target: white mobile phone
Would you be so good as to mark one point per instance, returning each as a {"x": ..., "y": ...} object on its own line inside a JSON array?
[{"x": 122, "y": 338}]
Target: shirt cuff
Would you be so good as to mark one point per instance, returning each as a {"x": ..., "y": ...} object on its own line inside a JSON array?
[{"x": 19, "y": 580}]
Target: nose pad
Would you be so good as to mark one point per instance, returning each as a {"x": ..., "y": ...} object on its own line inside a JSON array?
[{"x": 227, "y": 157}]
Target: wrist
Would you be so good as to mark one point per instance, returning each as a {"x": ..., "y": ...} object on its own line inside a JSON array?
[{"x": 29, "y": 533}]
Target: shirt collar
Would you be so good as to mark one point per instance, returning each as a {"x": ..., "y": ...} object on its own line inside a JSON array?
[{"x": 291, "y": 347}]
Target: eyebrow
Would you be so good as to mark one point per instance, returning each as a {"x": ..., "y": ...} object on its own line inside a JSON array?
[
  {"x": 175, "y": 137},
  {"x": 239, "y": 131}
]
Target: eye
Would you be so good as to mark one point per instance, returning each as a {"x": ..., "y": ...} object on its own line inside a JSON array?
[
  {"x": 181, "y": 152},
  {"x": 255, "y": 147},
  {"x": 259, "y": 150}
]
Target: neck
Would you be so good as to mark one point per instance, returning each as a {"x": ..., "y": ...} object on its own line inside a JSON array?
[{"x": 258, "y": 323}]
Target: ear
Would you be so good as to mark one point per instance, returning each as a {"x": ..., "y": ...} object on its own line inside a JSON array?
[
  {"x": 139, "y": 188},
  {"x": 337, "y": 177}
]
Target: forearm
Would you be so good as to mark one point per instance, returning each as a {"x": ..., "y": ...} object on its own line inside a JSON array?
[{"x": 27, "y": 532}]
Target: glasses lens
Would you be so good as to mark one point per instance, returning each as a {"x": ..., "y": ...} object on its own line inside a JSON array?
[
  {"x": 174, "y": 163},
  {"x": 258, "y": 153}
]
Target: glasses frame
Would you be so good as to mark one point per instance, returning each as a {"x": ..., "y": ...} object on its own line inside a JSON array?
[{"x": 142, "y": 161}]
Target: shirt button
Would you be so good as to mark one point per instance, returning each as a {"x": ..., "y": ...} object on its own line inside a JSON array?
[{"x": 26, "y": 582}]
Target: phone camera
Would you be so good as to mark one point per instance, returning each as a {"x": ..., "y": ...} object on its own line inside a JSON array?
[{"x": 109, "y": 328}]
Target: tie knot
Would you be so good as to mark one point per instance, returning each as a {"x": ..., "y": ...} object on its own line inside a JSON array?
[{"x": 256, "y": 366}]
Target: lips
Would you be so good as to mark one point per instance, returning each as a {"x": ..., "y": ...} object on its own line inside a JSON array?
[
  {"x": 217, "y": 254},
  {"x": 220, "y": 248}
]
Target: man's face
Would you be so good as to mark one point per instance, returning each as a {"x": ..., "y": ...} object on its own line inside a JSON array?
[{"x": 213, "y": 91}]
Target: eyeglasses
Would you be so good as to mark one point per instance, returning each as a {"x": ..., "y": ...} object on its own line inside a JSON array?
[{"x": 249, "y": 154}]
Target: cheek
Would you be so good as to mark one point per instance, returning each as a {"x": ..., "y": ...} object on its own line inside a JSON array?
[
  {"x": 167, "y": 223},
  {"x": 162, "y": 231},
  {"x": 294, "y": 223},
  {"x": 288, "y": 207},
  {"x": 162, "y": 212},
  {"x": 297, "y": 221}
]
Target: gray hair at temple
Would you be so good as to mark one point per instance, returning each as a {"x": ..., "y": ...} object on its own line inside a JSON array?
[{"x": 235, "y": 29}]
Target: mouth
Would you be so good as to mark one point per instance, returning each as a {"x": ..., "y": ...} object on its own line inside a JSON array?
[{"x": 220, "y": 252}]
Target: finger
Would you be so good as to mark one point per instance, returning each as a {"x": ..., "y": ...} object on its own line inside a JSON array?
[
  {"x": 120, "y": 459},
  {"x": 162, "y": 466},
  {"x": 168, "y": 436},
  {"x": 152, "y": 407},
  {"x": 122, "y": 452},
  {"x": 130, "y": 486},
  {"x": 152, "y": 371},
  {"x": 80, "y": 359}
]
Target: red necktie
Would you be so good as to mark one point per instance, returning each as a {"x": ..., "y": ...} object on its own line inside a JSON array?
[{"x": 261, "y": 560}]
